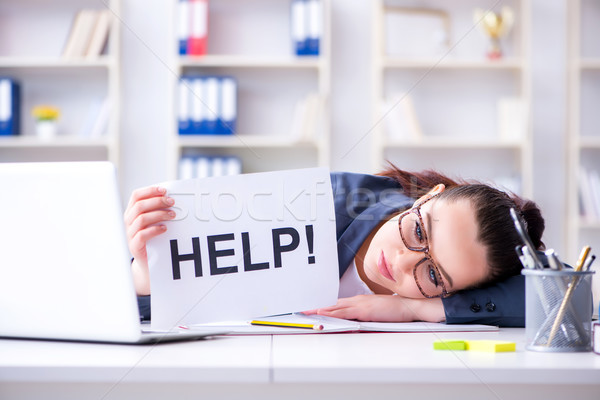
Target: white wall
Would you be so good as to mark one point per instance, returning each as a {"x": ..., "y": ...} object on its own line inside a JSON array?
[{"x": 145, "y": 73}]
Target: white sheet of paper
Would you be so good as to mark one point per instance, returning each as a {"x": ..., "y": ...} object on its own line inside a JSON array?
[{"x": 241, "y": 247}]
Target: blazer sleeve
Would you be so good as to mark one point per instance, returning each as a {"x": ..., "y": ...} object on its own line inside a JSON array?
[{"x": 501, "y": 304}]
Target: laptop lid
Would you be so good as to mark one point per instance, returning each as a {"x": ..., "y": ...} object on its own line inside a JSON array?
[{"x": 64, "y": 263}]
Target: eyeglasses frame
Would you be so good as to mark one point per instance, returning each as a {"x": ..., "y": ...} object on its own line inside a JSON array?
[{"x": 425, "y": 250}]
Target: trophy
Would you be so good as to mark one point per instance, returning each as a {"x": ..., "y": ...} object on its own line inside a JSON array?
[{"x": 495, "y": 25}]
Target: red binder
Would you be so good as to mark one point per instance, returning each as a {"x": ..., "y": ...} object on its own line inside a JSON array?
[{"x": 199, "y": 27}]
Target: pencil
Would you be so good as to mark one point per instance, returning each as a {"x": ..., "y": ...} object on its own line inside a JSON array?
[
  {"x": 316, "y": 327},
  {"x": 585, "y": 252}
]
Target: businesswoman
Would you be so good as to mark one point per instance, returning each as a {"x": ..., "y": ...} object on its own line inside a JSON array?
[{"x": 411, "y": 246}]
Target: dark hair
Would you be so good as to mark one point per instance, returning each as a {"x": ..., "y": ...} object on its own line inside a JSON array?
[{"x": 492, "y": 207}]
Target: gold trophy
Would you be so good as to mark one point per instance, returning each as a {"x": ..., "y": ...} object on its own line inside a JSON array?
[{"x": 495, "y": 25}]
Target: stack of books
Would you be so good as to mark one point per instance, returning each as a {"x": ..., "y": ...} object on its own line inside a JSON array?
[
  {"x": 192, "y": 27},
  {"x": 9, "y": 107},
  {"x": 307, "y": 26},
  {"x": 207, "y": 105},
  {"x": 201, "y": 166},
  {"x": 89, "y": 34}
]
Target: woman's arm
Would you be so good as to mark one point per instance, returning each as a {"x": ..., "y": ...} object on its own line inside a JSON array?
[
  {"x": 147, "y": 208},
  {"x": 501, "y": 304},
  {"x": 384, "y": 308}
]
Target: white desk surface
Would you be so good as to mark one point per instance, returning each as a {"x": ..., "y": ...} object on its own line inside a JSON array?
[{"x": 337, "y": 365}]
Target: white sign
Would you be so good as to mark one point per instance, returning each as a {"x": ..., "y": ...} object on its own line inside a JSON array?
[{"x": 245, "y": 246}]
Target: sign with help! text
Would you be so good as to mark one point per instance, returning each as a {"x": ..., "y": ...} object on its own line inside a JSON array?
[{"x": 245, "y": 246}]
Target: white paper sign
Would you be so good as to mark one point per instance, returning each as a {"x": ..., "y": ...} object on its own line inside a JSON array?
[{"x": 245, "y": 246}]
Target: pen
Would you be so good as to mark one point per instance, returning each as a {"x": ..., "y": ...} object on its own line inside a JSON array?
[
  {"x": 588, "y": 263},
  {"x": 316, "y": 327},
  {"x": 553, "y": 260}
]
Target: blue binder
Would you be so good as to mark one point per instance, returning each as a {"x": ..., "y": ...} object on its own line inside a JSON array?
[
  {"x": 185, "y": 95},
  {"x": 314, "y": 26},
  {"x": 298, "y": 17},
  {"x": 183, "y": 28},
  {"x": 227, "y": 117},
  {"x": 10, "y": 107}
]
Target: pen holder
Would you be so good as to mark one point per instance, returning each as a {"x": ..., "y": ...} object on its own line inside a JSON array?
[{"x": 558, "y": 311}]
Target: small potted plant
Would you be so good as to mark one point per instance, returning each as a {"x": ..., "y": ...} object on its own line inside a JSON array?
[{"x": 45, "y": 117}]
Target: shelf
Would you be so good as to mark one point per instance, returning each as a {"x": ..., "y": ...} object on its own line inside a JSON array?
[
  {"x": 589, "y": 225},
  {"x": 589, "y": 142},
  {"x": 234, "y": 61},
  {"x": 42, "y": 63},
  {"x": 451, "y": 143},
  {"x": 445, "y": 63},
  {"x": 589, "y": 63},
  {"x": 242, "y": 141},
  {"x": 64, "y": 142}
]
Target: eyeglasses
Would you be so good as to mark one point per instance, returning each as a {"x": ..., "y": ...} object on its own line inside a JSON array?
[{"x": 426, "y": 273}]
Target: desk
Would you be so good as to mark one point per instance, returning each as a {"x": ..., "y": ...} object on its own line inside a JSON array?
[{"x": 346, "y": 366}]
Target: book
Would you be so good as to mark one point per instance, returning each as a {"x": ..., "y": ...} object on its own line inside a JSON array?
[
  {"x": 100, "y": 34},
  {"x": 80, "y": 34},
  {"x": 333, "y": 325}
]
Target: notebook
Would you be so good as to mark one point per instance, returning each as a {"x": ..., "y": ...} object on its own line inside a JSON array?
[{"x": 64, "y": 264}]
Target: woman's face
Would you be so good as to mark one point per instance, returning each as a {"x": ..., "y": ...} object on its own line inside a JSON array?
[{"x": 452, "y": 234}]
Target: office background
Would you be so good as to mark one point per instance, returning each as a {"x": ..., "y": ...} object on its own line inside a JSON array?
[
  {"x": 144, "y": 91},
  {"x": 144, "y": 123}
]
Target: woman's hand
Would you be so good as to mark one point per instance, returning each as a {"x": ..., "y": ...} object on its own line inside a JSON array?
[
  {"x": 147, "y": 208},
  {"x": 384, "y": 308}
]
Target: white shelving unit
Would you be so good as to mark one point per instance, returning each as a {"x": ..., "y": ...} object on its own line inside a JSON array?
[
  {"x": 34, "y": 33},
  {"x": 583, "y": 136},
  {"x": 455, "y": 90},
  {"x": 270, "y": 80}
]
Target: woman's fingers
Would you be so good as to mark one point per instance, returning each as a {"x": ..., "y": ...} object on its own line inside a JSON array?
[
  {"x": 137, "y": 243},
  {"x": 147, "y": 219},
  {"x": 146, "y": 205},
  {"x": 145, "y": 193}
]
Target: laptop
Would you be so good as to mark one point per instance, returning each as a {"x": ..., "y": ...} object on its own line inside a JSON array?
[{"x": 64, "y": 264}]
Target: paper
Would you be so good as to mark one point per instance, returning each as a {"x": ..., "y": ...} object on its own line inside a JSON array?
[
  {"x": 243, "y": 246},
  {"x": 332, "y": 325}
]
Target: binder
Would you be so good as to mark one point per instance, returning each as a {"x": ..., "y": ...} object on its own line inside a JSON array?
[
  {"x": 10, "y": 107},
  {"x": 197, "y": 106},
  {"x": 314, "y": 26},
  {"x": 299, "y": 12},
  {"x": 184, "y": 25},
  {"x": 186, "y": 167},
  {"x": 184, "y": 119},
  {"x": 228, "y": 107},
  {"x": 197, "y": 42},
  {"x": 204, "y": 166},
  {"x": 212, "y": 106}
]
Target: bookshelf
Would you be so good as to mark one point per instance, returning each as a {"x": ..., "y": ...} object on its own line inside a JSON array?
[
  {"x": 436, "y": 96},
  {"x": 271, "y": 82},
  {"x": 583, "y": 134},
  {"x": 35, "y": 33}
]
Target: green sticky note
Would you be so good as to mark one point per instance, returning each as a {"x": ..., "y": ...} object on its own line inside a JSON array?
[
  {"x": 450, "y": 345},
  {"x": 492, "y": 346}
]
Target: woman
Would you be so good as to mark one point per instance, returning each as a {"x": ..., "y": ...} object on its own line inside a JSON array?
[{"x": 401, "y": 259}]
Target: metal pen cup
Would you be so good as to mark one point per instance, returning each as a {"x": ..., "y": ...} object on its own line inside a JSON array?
[{"x": 558, "y": 311}]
